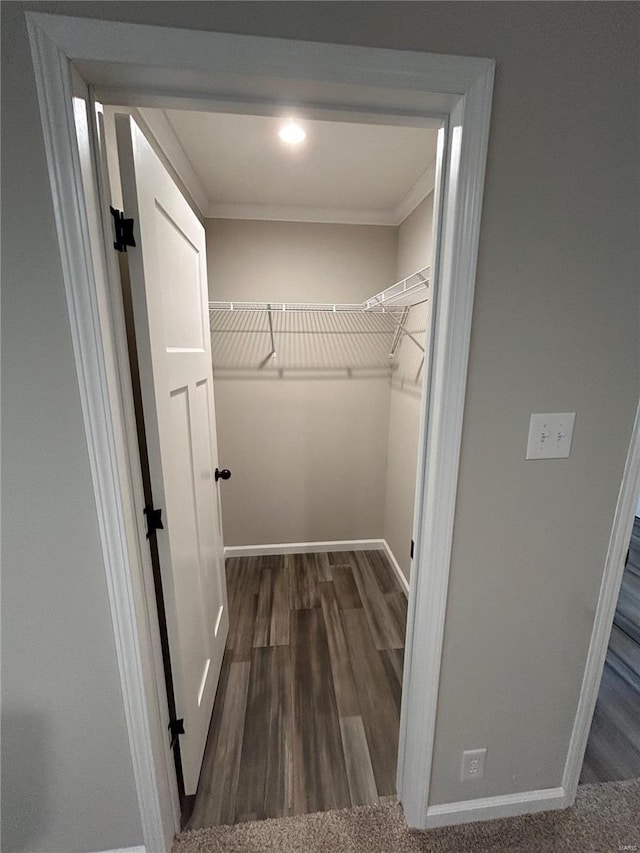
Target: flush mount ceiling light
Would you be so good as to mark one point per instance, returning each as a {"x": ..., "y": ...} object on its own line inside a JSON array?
[{"x": 292, "y": 133}]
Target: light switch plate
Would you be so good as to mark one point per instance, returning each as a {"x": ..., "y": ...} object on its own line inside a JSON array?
[{"x": 550, "y": 435}]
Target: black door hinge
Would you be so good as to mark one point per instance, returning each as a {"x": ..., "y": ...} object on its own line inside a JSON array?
[
  {"x": 123, "y": 229},
  {"x": 176, "y": 727},
  {"x": 154, "y": 520},
  {"x": 412, "y": 547}
]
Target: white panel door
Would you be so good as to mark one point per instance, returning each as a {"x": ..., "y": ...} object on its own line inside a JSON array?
[{"x": 171, "y": 316}]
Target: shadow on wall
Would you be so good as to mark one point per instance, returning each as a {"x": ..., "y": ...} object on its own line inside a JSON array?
[{"x": 25, "y": 800}]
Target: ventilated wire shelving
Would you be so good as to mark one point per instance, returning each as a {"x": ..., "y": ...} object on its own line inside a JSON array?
[{"x": 374, "y": 327}]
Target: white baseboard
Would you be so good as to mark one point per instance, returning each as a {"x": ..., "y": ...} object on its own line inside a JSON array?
[
  {"x": 490, "y": 808},
  {"x": 321, "y": 547},
  {"x": 125, "y": 850},
  {"x": 404, "y": 583},
  {"x": 304, "y": 547}
]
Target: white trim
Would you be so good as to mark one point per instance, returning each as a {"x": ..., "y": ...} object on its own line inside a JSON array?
[
  {"x": 158, "y": 125},
  {"x": 176, "y": 167},
  {"x": 187, "y": 63},
  {"x": 321, "y": 548},
  {"x": 458, "y": 204},
  {"x": 125, "y": 850},
  {"x": 293, "y": 213},
  {"x": 609, "y": 590},
  {"x": 395, "y": 565},
  {"x": 162, "y": 50},
  {"x": 304, "y": 547},
  {"x": 490, "y": 808},
  {"x": 418, "y": 192},
  {"x": 55, "y": 91},
  {"x": 329, "y": 215}
]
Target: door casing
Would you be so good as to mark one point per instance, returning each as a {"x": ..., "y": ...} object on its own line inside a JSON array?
[{"x": 158, "y": 66}]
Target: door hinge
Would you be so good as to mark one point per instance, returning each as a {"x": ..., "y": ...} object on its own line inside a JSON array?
[
  {"x": 154, "y": 520},
  {"x": 176, "y": 727},
  {"x": 412, "y": 547},
  {"x": 123, "y": 230}
]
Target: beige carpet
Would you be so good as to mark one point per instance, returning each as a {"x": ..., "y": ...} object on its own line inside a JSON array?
[{"x": 604, "y": 818}]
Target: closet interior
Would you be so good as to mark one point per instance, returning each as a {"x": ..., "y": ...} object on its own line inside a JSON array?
[
  {"x": 613, "y": 747},
  {"x": 319, "y": 260}
]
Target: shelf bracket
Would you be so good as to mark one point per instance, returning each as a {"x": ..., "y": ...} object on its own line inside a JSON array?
[
  {"x": 411, "y": 337},
  {"x": 398, "y": 333},
  {"x": 402, "y": 330},
  {"x": 272, "y": 354}
]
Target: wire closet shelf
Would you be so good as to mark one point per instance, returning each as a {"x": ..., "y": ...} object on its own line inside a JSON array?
[
  {"x": 389, "y": 309},
  {"x": 396, "y": 298}
]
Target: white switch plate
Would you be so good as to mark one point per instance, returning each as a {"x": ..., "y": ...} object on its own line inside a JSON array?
[
  {"x": 472, "y": 764},
  {"x": 550, "y": 435}
]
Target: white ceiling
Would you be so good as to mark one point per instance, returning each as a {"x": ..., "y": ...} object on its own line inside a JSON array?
[{"x": 342, "y": 172}]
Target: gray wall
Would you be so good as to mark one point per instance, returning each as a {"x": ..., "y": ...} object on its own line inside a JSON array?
[
  {"x": 307, "y": 448},
  {"x": 67, "y": 777},
  {"x": 415, "y": 239},
  {"x": 554, "y": 329},
  {"x": 415, "y": 249}
]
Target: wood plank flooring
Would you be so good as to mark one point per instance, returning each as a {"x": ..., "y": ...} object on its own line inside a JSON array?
[
  {"x": 307, "y": 712},
  {"x": 613, "y": 748}
]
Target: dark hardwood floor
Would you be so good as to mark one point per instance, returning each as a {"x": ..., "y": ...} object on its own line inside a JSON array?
[
  {"x": 613, "y": 748},
  {"x": 307, "y": 711}
]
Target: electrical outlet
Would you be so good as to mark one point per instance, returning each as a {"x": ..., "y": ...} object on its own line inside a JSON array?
[{"x": 472, "y": 764}]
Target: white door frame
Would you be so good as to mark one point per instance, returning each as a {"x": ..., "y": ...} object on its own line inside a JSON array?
[{"x": 245, "y": 74}]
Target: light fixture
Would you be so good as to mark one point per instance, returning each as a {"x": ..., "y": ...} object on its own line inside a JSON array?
[{"x": 292, "y": 133}]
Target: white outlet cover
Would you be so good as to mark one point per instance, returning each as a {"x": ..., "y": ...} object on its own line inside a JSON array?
[
  {"x": 472, "y": 764},
  {"x": 550, "y": 435}
]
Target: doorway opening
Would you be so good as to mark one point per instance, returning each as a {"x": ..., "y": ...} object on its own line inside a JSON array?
[
  {"x": 192, "y": 69},
  {"x": 319, "y": 313}
]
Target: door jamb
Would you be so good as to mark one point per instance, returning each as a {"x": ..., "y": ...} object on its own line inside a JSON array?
[{"x": 467, "y": 85}]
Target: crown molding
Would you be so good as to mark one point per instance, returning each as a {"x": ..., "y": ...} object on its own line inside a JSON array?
[
  {"x": 418, "y": 192},
  {"x": 158, "y": 126},
  {"x": 294, "y": 213},
  {"x": 330, "y": 215},
  {"x": 161, "y": 134}
]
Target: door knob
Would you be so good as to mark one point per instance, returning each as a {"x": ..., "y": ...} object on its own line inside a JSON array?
[{"x": 225, "y": 474}]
